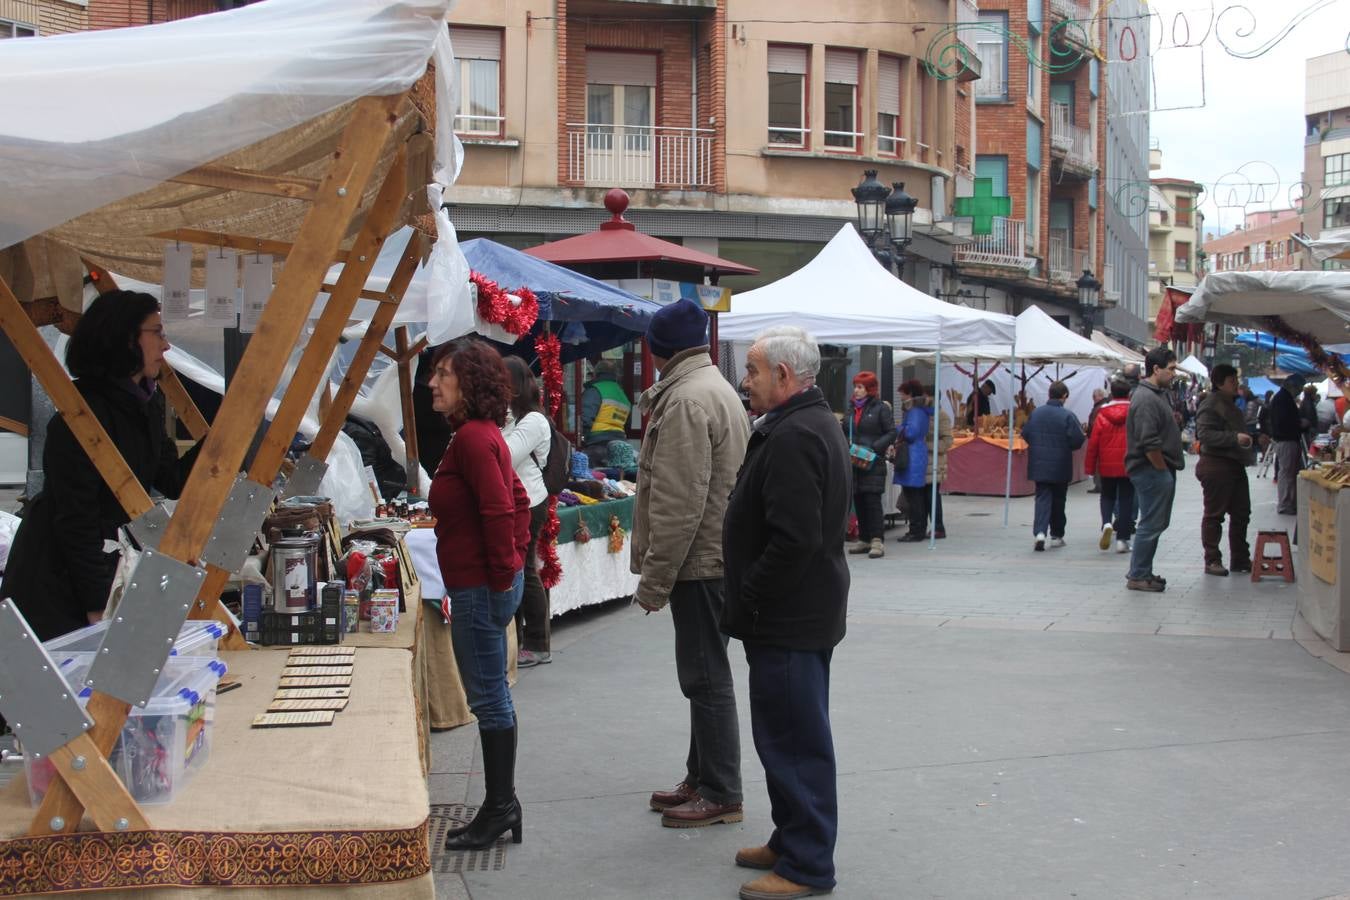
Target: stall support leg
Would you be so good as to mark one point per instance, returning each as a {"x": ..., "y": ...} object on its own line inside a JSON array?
[
  {"x": 405, "y": 396},
  {"x": 937, "y": 432}
]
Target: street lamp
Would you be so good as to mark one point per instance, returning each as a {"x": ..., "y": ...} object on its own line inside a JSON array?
[
  {"x": 885, "y": 219},
  {"x": 1089, "y": 293},
  {"x": 899, "y": 212},
  {"x": 870, "y": 195}
]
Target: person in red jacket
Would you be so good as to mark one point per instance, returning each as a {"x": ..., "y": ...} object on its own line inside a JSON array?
[
  {"x": 1106, "y": 457},
  {"x": 482, "y": 537}
]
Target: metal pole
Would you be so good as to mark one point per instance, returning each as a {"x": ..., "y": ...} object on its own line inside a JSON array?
[{"x": 937, "y": 437}]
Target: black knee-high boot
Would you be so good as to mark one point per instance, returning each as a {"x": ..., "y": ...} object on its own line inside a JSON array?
[{"x": 500, "y": 811}]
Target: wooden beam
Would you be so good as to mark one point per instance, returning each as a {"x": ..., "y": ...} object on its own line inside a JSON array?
[
  {"x": 377, "y": 296},
  {"x": 96, "y": 784},
  {"x": 340, "y": 192},
  {"x": 405, "y": 396},
  {"x": 182, "y": 403},
  {"x": 239, "y": 242},
  {"x": 13, "y": 425},
  {"x": 84, "y": 425},
  {"x": 291, "y": 186}
]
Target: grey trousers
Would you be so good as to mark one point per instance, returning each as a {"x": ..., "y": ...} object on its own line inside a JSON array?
[
  {"x": 714, "y": 762},
  {"x": 1289, "y": 462}
]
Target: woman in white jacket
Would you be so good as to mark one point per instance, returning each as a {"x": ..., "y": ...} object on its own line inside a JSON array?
[{"x": 528, "y": 436}]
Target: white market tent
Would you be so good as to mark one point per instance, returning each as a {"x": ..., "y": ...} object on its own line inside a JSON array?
[
  {"x": 1127, "y": 354},
  {"x": 844, "y": 296},
  {"x": 1192, "y": 365},
  {"x": 1312, "y": 303},
  {"x": 1040, "y": 339}
]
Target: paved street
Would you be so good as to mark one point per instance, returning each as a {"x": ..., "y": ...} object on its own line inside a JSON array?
[{"x": 1007, "y": 723}]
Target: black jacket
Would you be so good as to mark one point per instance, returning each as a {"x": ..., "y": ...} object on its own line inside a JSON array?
[
  {"x": 783, "y": 539},
  {"x": 57, "y": 570},
  {"x": 876, "y": 430},
  {"x": 1285, "y": 423}
]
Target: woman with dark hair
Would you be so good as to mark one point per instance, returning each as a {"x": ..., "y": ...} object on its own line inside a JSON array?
[
  {"x": 869, "y": 423},
  {"x": 60, "y": 572},
  {"x": 912, "y": 430},
  {"x": 529, "y": 437},
  {"x": 482, "y": 534}
]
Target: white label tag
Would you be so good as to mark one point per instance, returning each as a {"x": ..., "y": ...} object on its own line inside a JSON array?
[
  {"x": 257, "y": 288},
  {"x": 177, "y": 281},
  {"x": 222, "y": 286}
]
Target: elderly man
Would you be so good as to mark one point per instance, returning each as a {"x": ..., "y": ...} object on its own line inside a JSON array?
[
  {"x": 695, "y": 442},
  {"x": 787, "y": 592},
  {"x": 1286, "y": 430},
  {"x": 1225, "y": 453}
]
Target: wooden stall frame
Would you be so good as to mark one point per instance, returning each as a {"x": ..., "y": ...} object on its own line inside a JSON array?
[{"x": 336, "y": 201}]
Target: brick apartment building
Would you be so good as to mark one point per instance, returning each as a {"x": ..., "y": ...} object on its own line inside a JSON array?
[
  {"x": 1326, "y": 148},
  {"x": 31, "y": 18},
  {"x": 1263, "y": 242}
]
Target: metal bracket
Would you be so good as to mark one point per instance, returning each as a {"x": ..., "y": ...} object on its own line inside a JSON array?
[
  {"x": 34, "y": 696},
  {"x": 239, "y": 521},
  {"x": 152, "y": 612},
  {"x": 148, "y": 527},
  {"x": 305, "y": 480}
]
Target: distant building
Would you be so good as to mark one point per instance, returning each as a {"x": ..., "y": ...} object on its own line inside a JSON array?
[
  {"x": 1264, "y": 242},
  {"x": 1326, "y": 148},
  {"x": 1175, "y": 230}
]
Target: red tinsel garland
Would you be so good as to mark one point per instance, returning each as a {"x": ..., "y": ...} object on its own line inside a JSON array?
[
  {"x": 549, "y": 350},
  {"x": 494, "y": 305},
  {"x": 1327, "y": 362}
]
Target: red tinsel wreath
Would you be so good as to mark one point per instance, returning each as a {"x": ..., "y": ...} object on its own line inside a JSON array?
[
  {"x": 549, "y": 350},
  {"x": 1327, "y": 362},
  {"x": 494, "y": 305}
]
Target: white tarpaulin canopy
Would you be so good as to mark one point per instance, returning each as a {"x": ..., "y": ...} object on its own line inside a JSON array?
[
  {"x": 1193, "y": 366},
  {"x": 90, "y": 118},
  {"x": 1313, "y": 303},
  {"x": 1324, "y": 249},
  {"x": 844, "y": 296},
  {"x": 1040, "y": 339},
  {"x": 1124, "y": 352}
]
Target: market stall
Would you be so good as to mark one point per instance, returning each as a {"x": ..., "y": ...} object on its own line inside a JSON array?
[{"x": 296, "y": 130}]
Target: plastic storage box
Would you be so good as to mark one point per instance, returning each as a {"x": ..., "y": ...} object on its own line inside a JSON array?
[
  {"x": 197, "y": 637},
  {"x": 163, "y": 743}
]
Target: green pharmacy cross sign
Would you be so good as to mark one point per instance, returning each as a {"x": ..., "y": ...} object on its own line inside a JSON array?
[{"x": 983, "y": 206}]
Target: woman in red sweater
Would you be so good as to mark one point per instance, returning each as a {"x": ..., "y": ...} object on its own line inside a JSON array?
[
  {"x": 1106, "y": 457},
  {"x": 482, "y": 533}
]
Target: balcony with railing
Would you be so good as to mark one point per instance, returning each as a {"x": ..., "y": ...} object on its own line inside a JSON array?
[
  {"x": 1071, "y": 145},
  {"x": 640, "y": 156},
  {"x": 967, "y": 22},
  {"x": 1082, "y": 30},
  {"x": 1064, "y": 261},
  {"x": 1004, "y": 247}
]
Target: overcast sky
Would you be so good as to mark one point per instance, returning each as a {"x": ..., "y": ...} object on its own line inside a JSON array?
[{"x": 1249, "y": 126}]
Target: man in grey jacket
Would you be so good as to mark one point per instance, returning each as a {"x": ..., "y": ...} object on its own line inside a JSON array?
[
  {"x": 697, "y": 431},
  {"x": 1152, "y": 459}
]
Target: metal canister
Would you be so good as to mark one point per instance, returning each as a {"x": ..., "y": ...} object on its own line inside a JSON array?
[{"x": 295, "y": 565}]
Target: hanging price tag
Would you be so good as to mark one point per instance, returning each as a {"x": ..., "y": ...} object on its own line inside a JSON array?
[
  {"x": 257, "y": 288},
  {"x": 177, "y": 281},
  {"x": 222, "y": 286}
]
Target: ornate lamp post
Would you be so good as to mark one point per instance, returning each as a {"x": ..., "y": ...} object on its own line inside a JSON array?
[
  {"x": 885, "y": 219},
  {"x": 1089, "y": 296}
]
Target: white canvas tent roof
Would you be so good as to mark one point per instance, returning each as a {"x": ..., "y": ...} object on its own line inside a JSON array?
[
  {"x": 844, "y": 296},
  {"x": 1192, "y": 365},
  {"x": 1314, "y": 303},
  {"x": 1323, "y": 249},
  {"x": 1126, "y": 353},
  {"x": 1040, "y": 339}
]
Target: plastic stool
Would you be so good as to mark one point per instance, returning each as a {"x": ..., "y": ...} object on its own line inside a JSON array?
[{"x": 1264, "y": 566}]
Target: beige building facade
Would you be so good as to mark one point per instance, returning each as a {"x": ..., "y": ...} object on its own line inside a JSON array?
[
  {"x": 1326, "y": 166},
  {"x": 1176, "y": 228}
]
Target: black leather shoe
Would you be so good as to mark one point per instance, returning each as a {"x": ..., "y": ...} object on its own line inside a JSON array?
[{"x": 910, "y": 538}]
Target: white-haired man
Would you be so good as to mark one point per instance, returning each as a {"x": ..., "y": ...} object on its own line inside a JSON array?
[{"x": 786, "y": 595}]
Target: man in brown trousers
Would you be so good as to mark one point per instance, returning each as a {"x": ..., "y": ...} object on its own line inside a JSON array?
[{"x": 1225, "y": 453}]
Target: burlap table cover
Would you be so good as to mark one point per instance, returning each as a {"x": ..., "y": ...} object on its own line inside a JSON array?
[{"x": 273, "y": 813}]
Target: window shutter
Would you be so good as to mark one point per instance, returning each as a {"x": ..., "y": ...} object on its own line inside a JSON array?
[
  {"x": 476, "y": 43},
  {"x": 841, "y": 66},
  {"x": 888, "y": 85},
  {"x": 788, "y": 60},
  {"x": 621, "y": 68}
]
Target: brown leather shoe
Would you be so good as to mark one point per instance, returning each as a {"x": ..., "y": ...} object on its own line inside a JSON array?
[
  {"x": 682, "y": 793},
  {"x": 756, "y": 857},
  {"x": 699, "y": 812},
  {"x": 775, "y": 887}
]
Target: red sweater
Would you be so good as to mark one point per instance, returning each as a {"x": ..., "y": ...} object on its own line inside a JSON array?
[
  {"x": 1106, "y": 444},
  {"x": 481, "y": 508}
]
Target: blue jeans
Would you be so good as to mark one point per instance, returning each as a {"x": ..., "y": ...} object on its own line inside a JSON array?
[
  {"x": 1049, "y": 513},
  {"x": 1154, "y": 490},
  {"x": 478, "y": 620},
  {"x": 1117, "y": 504}
]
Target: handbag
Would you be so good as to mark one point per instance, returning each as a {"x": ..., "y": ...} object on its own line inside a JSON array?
[{"x": 861, "y": 457}]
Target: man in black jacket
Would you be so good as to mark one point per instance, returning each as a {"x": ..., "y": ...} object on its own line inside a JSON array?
[
  {"x": 1286, "y": 430},
  {"x": 786, "y": 594}
]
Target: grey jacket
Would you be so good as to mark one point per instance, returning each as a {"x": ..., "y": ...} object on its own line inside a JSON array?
[
  {"x": 697, "y": 431},
  {"x": 1151, "y": 426}
]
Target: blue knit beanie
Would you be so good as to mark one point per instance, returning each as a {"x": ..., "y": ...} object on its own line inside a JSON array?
[{"x": 677, "y": 326}]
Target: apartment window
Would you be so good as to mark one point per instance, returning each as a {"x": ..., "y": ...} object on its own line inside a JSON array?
[
  {"x": 841, "y": 100},
  {"x": 1181, "y": 257},
  {"x": 995, "y": 168},
  {"x": 10, "y": 29},
  {"x": 787, "y": 95},
  {"x": 1183, "y": 211},
  {"x": 479, "y": 54},
  {"x": 921, "y": 86},
  {"x": 1258, "y": 253},
  {"x": 889, "y": 140},
  {"x": 991, "y": 46},
  {"x": 1336, "y": 170},
  {"x": 1033, "y": 59},
  {"x": 1336, "y": 213},
  {"x": 1033, "y": 206}
]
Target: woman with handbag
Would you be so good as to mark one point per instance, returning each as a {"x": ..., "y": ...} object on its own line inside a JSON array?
[
  {"x": 913, "y": 475},
  {"x": 870, "y": 427}
]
